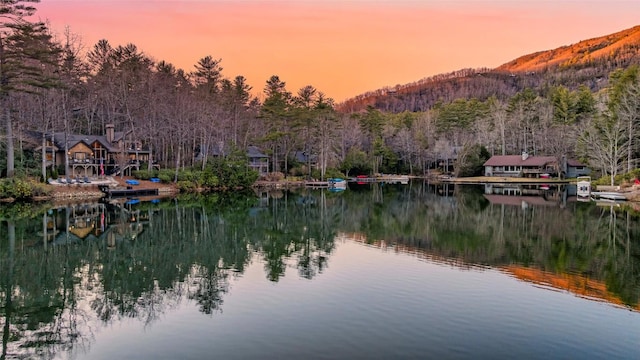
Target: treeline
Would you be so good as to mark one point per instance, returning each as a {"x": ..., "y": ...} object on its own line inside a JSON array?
[
  {"x": 50, "y": 85},
  {"x": 184, "y": 118},
  {"x": 599, "y": 128}
]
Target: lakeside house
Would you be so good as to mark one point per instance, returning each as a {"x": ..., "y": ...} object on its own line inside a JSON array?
[
  {"x": 533, "y": 166},
  {"x": 258, "y": 161},
  {"x": 303, "y": 157},
  {"x": 92, "y": 155},
  {"x": 575, "y": 168}
]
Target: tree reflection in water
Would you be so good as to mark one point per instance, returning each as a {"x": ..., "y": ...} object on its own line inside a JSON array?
[{"x": 67, "y": 271}]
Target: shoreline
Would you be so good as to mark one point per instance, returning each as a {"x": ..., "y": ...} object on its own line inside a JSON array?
[
  {"x": 83, "y": 192},
  {"x": 62, "y": 193}
]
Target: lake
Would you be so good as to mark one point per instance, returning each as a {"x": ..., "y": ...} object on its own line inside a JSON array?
[{"x": 378, "y": 271}]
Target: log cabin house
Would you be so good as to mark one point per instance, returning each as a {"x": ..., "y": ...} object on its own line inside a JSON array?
[{"x": 93, "y": 155}]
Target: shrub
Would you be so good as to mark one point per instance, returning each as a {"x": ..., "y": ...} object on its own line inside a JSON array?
[
  {"x": 165, "y": 177},
  {"x": 144, "y": 174},
  {"x": 40, "y": 190},
  {"x": 209, "y": 180},
  {"x": 188, "y": 175},
  {"x": 329, "y": 173},
  {"x": 619, "y": 179},
  {"x": 301, "y": 170},
  {"x": 21, "y": 189},
  {"x": 219, "y": 174},
  {"x": 273, "y": 176},
  {"x": 186, "y": 186},
  {"x": 333, "y": 173}
]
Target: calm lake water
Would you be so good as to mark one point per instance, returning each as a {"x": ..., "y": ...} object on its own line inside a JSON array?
[{"x": 378, "y": 271}]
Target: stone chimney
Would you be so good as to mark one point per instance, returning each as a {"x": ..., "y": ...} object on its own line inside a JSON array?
[
  {"x": 525, "y": 155},
  {"x": 110, "y": 133}
]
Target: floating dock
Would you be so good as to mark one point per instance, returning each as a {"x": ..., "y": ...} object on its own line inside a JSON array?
[
  {"x": 606, "y": 195},
  {"x": 129, "y": 192},
  {"x": 391, "y": 179},
  {"x": 316, "y": 184}
]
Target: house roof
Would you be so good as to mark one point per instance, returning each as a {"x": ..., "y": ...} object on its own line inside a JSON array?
[
  {"x": 212, "y": 150},
  {"x": 74, "y": 139},
  {"x": 574, "y": 163},
  {"x": 516, "y": 160},
  {"x": 254, "y": 152},
  {"x": 303, "y": 157}
]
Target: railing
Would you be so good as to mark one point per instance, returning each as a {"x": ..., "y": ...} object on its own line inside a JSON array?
[
  {"x": 81, "y": 161},
  {"x": 105, "y": 162}
]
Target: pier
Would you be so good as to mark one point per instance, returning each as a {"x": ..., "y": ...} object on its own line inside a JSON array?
[{"x": 128, "y": 192}]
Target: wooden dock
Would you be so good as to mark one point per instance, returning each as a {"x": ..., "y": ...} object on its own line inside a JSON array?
[
  {"x": 390, "y": 179},
  {"x": 128, "y": 192},
  {"x": 608, "y": 195},
  {"x": 316, "y": 184}
]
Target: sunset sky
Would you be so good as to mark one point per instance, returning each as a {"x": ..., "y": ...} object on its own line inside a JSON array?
[{"x": 343, "y": 48}]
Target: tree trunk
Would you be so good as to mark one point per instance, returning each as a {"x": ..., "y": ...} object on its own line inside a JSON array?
[
  {"x": 630, "y": 148},
  {"x": 43, "y": 152},
  {"x": 175, "y": 178},
  {"x": 150, "y": 162},
  {"x": 66, "y": 152},
  {"x": 10, "y": 149}
]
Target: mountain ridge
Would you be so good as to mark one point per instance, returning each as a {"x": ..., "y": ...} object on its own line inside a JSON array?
[
  {"x": 583, "y": 51},
  {"x": 587, "y": 62}
]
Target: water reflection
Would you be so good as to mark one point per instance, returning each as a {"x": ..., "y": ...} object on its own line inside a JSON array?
[
  {"x": 526, "y": 195},
  {"x": 69, "y": 270}
]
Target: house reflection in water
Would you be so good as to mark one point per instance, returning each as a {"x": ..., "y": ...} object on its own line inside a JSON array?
[
  {"x": 92, "y": 222},
  {"x": 526, "y": 195}
]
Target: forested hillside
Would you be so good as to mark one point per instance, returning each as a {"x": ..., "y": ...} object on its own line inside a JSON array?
[
  {"x": 581, "y": 101},
  {"x": 587, "y": 63}
]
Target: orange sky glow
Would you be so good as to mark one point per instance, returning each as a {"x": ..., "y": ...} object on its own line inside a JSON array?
[{"x": 342, "y": 48}]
